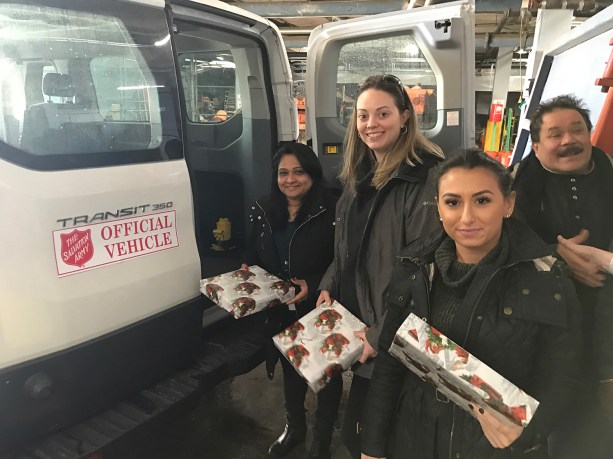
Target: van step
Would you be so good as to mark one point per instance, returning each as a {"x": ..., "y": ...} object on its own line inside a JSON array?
[{"x": 235, "y": 349}]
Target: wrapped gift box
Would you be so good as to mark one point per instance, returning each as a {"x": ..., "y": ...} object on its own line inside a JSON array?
[
  {"x": 458, "y": 375},
  {"x": 243, "y": 292},
  {"x": 322, "y": 344}
]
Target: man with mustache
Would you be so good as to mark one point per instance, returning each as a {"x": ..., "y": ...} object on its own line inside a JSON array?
[{"x": 565, "y": 187}]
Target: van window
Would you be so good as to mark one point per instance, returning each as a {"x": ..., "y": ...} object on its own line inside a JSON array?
[
  {"x": 122, "y": 90},
  {"x": 399, "y": 55},
  {"x": 209, "y": 82},
  {"x": 86, "y": 88}
]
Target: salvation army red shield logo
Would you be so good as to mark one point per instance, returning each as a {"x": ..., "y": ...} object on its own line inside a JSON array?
[{"x": 77, "y": 247}]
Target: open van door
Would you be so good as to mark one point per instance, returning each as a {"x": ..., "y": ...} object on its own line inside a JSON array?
[
  {"x": 236, "y": 88},
  {"x": 431, "y": 50}
]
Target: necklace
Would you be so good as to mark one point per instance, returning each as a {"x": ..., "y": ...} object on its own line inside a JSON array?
[{"x": 293, "y": 211}]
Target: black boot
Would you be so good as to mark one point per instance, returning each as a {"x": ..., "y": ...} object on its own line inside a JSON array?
[
  {"x": 289, "y": 439},
  {"x": 320, "y": 448}
]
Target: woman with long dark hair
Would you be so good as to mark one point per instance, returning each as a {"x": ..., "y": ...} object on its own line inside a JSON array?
[
  {"x": 293, "y": 238},
  {"x": 491, "y": 285}
]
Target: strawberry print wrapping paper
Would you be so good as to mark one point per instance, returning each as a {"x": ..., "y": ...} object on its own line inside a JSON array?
[
  {"x": 243, "y": 292},
  {"x": 458, "y": 375},
  {"x": 322, "y": 344}
]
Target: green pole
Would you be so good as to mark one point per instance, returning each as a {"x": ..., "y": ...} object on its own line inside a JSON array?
[
  {"x": 507, "y": 140},
  {"x": 492, "y": 144}
]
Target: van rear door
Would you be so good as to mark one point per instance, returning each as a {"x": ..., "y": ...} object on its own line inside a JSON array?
[{"x": 431, "y": 50}]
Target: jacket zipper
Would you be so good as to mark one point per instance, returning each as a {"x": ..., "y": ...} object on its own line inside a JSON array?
[
  {"x": 369, "y": 222},
  {"x": 289, "y": 249},
  {"x": 470, "y": 321},
  {"x": 265, "y": 217}
]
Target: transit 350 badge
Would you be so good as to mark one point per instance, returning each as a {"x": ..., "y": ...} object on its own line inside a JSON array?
[{"x": 77, "y": 247}]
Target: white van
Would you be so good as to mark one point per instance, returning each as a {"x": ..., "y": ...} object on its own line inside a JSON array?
[{"x": 128, "y": 129}]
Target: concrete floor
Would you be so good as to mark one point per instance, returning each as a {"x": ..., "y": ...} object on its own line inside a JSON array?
[{"x": 238, "y": 419}]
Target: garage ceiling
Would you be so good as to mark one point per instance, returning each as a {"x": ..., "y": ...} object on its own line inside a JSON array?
[{"x": 498, "y": 23}]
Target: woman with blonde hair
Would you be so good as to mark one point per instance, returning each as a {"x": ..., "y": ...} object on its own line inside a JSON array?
[
  {"x": 407, "y": 147},
  {"x": 388, "y": 202}
]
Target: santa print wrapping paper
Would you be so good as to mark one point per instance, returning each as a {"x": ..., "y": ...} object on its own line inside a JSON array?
[
  {"x": 244, "y": 292},
  {"x": 458, "y": 375},
  {"x": 322, "y": 344}
]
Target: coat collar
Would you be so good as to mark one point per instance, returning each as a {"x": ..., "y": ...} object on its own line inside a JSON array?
[
  {"x": 322, "y": 200},
  {"x": 416, "y": 173},
  {"x": 535, "y": 173},
  {"x": 525, "y": 245}
]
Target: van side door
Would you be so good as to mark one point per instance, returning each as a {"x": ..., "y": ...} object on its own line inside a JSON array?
[{"x": 236, "y": 90}]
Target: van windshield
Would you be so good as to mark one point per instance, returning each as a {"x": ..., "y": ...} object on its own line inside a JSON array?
[{"x": 86, "y": 88}]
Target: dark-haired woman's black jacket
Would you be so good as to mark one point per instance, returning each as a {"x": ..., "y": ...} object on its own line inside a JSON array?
[
  {"x": 311, "y": 248},
  {"x": 521, "y": 319}
]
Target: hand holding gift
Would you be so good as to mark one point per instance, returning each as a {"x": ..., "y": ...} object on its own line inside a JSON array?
[
  {"x": 324, "y": 298},
  {"x": 368, "y": 351},
  {"x": 246, "y": 290},
  {"x": 322, "y": 344},
  {"x": 464, "y": 380},
  {"x": 499, "y": 434},
  {"x": 304, "y": 291}
]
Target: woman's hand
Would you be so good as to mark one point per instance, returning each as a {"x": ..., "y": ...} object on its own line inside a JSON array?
[
  {"x": 601, "y": 258},
  {"x": 304, "y": 290},
  {"x": 245, "y": 267},
  {"x": 324, "y": 297},
  {"x": 368, "y": 351},
  {"x": 583, "y": 269},
  {"x": 498, "y": 434}
]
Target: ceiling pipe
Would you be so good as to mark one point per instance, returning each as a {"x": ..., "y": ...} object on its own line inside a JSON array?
[
  {"x": 580, "y": 8},
  {"x": 352, "y": 8},
  {"x": 499, "y": 27},
  {"x": 328, "y": 8},
  {"x": 345, "y": 8}
]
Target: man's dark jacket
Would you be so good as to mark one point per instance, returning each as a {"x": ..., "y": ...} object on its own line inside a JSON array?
[
  {"x": 521, "y": 319},
  {"x": 529, "y": 184}
]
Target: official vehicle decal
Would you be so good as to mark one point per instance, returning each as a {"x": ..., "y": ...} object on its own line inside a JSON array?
[{"x": 100, "y": 244}]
